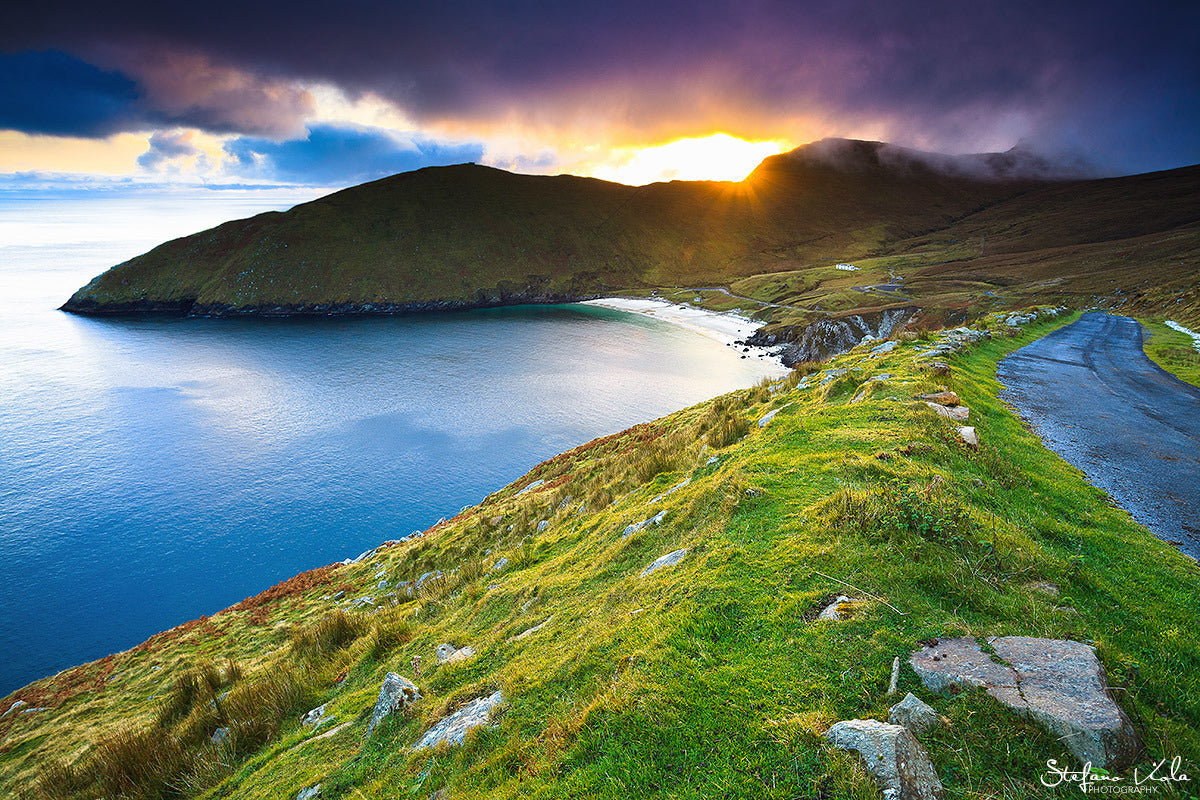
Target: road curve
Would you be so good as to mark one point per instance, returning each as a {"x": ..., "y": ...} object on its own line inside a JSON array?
[{"x": 1134, "y": 429}]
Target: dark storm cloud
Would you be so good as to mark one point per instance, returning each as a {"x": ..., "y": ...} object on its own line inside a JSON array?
[
  {"x": 338, "y": 155},
  {"x": 1118, "y": 78},
  {"x": 53, "y": 93}
]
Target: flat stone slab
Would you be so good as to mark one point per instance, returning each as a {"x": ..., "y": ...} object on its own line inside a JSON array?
[
  {"x": 1059, "y": 684},
  {"x": 892, "y": 755},
  {"x": 956, "y": 413},
  {"x": 453, "y": 729}
]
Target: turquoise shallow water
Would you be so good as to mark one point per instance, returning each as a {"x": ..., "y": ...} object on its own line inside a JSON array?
[{"x": 152, "y": 471}]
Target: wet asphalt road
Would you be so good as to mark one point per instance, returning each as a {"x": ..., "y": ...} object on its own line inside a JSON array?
[{"x": 1095, "y": 399}]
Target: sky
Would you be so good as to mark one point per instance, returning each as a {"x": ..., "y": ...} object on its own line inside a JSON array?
[{"x": 301, "y": 93}]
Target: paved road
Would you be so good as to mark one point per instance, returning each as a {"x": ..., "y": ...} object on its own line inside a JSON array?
[{"x": 1095, "y": 399}]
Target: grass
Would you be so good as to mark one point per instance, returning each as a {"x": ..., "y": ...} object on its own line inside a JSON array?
[
  {"x": 1172, "y": 350},
  {"x": 708, "y": 679}
]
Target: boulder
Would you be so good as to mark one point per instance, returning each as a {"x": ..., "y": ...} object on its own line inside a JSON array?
[
  {"x": 841, "y": 609},
  {"x": 669, "y": 560},
  {"x": 1059, "y": 684},
  {"x": 499, "y": 565},
  {"x": 956, "y": 413},
  {"x": 396, "y": 693},
  {"x": 915, "y": 715},
  {"x": 453, "y": 729},
  {"x": 449, "y": 654},
  {"x": 219, "y": 736},
  {"x": 892, "y": 755},
  {"x": 309, "y": 793},
  {"x": 969, "y": 436}
]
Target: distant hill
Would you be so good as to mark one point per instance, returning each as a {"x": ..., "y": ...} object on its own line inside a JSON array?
[{"x": 968, "y": 232}]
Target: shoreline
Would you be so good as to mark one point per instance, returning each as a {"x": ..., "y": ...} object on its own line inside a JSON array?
[{"x": 727, "y": 328}]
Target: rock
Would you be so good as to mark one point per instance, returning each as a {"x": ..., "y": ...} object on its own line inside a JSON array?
[
  {"x": 886, "y": 347},
  {"x": 669, "y": 560},
  {"x": 531, "y": 631},
  {"x": 1045, "y": 587},
  {"x": 672, "y": 490},
  {"x": 956, "y": 413},
  {"x": 541, "y": 526},
  {"x": 765, "y": 419},
  {"x": 315, "y": 717},
  {"x": 499, "y": 565},
  {"x": 892, "y": 755},
  {"x": 895, "y": 679},
  {"x": 219, "y": 736},
  {"x": 339, "y": 594},
  {"x": 1060, "y": 684},
  {"x": 841, "y": 609},
  {"x": 939, "y": 367},
  {"x": 968, "y": 435},
  {"x": 424, "y": 579},
  {"x": 309, "y": 793},
  {"x": 941, "y": 398},
  {"x": 914, "y": 714},
  {"x": 529, "y": 488},
  {"x": 18, "y": 704},
  {"x": 396, "y": 693},
  {"x": 453, "y": 729},
  {"x": 449, "y": 654},
  {"x": 630, "y": 530}
]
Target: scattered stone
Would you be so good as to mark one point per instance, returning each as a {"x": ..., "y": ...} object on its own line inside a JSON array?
[
  {"x": 396, "y": 693},
  {"x": 531, "y": 631},
  {"x": 453, "y": 729},
  {"x": 35, "y": 710},
  {"x": 499, "y": 565},
  {"x": 894, "y": 683},
  {"x": 219, "y": 736},
  {"x": 440, "y": 794},
  {"x": 426, "y": 578},
  {"x": 841, "y": 609},
  {"x": 383, "y": 584},
  {"x": 669, "y": 560},
  {"x": 765, "y": 419},
  {"x": 956, "y": 413},
  {"x": 712, "y": 460},
  {"x": 530, "y": 487},
  {"x": 339, "y": 594},
  {"x": 13, "y": 708},
  {"x": 886, "y": 347},
  {"x": 882, "y": 377},
  {"x": 939, "y": 367},
  {"x": 1060, "y": 684},
  {"x": 449, "y": 654},
  {"x": 672, "y": 490},
  {"x": 630, "y": 530},
  {"x": 914, "y": 714},
  {"x": 541, "y": 526},
  {"x": 309, "y": 793},
  {"x": 892, "y": 755},
  {"x": 941, "y": 398},
  {"x": 969, "y": 435},
  {"x": 365, "y": 600},
  {"x": 315, "y": 717}
]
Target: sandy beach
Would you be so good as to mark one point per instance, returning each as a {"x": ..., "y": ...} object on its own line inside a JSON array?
[{"x": 725, "y": 328}]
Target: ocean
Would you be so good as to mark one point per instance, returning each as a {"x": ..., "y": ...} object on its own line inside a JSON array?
[{"x": 156, "y": 470}]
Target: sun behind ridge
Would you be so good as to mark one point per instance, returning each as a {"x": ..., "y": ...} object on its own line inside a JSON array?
[{"x": 719, "y": 157}]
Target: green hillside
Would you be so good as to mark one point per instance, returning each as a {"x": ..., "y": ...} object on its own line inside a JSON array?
[{"x": 709, "y": 678}]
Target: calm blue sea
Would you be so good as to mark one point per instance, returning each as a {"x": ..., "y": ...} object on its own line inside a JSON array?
[{"x": 152, "y": 471}]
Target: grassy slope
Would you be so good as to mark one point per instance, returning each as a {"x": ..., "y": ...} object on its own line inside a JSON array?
[
  {"x": 709, "y": 678},
  {"x": 1173, "y": 351}
]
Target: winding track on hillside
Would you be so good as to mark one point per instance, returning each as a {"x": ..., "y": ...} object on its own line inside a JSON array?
[{"x": 1094, "y": 398}]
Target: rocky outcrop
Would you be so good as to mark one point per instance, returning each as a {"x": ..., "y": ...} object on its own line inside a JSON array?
[
  {"x": 825, "y": 338},
  {"x": 892, "y": 755},
  {"x": 395, "y": 694},
  {"x": 453, "y": 729},
  {"x": 1060, "y": 684}
]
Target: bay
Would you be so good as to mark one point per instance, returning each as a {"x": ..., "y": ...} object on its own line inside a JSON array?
[{"x": 156, "y": 470}]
